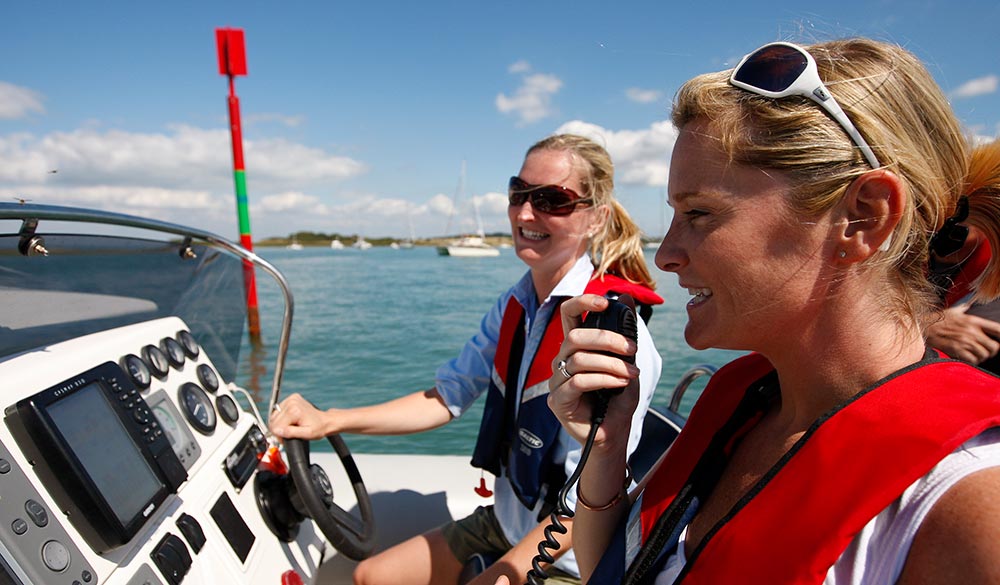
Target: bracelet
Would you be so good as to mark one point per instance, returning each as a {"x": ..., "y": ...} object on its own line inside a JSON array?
[{"x": 614, "y": 501}]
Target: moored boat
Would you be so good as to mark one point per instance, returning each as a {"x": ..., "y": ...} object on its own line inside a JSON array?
[{"x": 469, "y": 247}]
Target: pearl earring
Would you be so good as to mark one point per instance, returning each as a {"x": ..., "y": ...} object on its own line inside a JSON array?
[{"x": 843, "y": 254}]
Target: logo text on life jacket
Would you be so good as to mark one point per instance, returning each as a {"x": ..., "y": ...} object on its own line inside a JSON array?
[{"x": 529, "y": 439}]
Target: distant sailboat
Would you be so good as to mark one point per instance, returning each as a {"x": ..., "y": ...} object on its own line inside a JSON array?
[
  {"x": 361, "y": 244},
  {"x": 295, "y": 245},
  {"x": 336, "y": 244},
  {"x": 407, "y": 244},
  {"x": 469, "y": 246}
]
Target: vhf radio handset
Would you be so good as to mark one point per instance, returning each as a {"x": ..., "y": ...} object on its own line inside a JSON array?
[{"x": 618, "y": 317}]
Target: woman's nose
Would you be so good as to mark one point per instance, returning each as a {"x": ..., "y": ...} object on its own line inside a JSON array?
[
  {"x": 670, "y": 257},
  {"x": 526, "y": 211}
]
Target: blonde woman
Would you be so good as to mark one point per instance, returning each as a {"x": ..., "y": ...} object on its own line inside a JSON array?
[
  {"x": 809, "y": 185},
  {"x": 574, "y": 237}
]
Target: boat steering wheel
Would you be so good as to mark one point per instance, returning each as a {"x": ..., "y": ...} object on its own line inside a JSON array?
[{"x": 354, "y": 538}]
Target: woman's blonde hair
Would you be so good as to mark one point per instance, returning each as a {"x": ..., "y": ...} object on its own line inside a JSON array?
[
  {"x": 617, "y": 248},
  {"x": 902, "y": 113}
]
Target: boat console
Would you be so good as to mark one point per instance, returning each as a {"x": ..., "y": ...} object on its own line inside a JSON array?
[{"x": 114, "y": 469}]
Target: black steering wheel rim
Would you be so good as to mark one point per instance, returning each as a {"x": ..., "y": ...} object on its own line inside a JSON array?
[{"x": 354, "y": 538}]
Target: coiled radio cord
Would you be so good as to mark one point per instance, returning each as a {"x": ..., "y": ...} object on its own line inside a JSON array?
[{"x": 537, "y": 575}]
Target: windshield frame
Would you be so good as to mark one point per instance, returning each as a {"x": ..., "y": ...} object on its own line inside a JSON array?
[{"x": 31, "y": 242}]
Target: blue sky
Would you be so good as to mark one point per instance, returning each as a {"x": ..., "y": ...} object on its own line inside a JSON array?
[{"x": 357, "y": 116}]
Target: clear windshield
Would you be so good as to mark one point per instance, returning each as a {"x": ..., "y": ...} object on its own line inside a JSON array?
[{"x": 90, "y": 283}]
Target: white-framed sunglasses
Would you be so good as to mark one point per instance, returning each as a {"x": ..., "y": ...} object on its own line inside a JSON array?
[{"x": 779, "y": 70}]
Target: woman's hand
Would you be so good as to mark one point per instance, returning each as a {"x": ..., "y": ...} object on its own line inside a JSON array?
[
  {"x": 583, "y": 351},
  {"x": 296, "y": 418},
  {"x": 966, "y": 337}
]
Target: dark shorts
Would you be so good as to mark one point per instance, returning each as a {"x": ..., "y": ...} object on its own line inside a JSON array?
[{"x": 480, "y": 533}]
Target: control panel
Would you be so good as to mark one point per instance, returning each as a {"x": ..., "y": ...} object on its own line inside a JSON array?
[{"x": 125, "y": 459}]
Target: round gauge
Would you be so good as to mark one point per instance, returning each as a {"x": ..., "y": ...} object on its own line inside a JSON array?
[
  {"x": 197, "y": 407},
  {"x": 190, "y": 345},
  {"x": 174, "y": 350},
  {"x": 158, "y": 362},
  {"x": 227, "y": 408},
  {"x": 137, "y": 370},
  {"x": 206, "y": 375},
  {"x": 168, "y": 424}
]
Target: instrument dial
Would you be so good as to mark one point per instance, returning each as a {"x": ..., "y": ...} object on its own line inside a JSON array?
[
  {"x": 206, "y": 375},
  {"x": 197, "y": 407},
  {"x": 190, "y": 345},
  {"x": 169, "y": 425},
  {"x": 137, "y": 370},
  {"x": 158, "y": 362},
  {"x": 174, "y": 350},
  {"x": 228, "y": 409}
]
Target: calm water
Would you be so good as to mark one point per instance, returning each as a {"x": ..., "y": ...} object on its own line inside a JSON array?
[{"x": 373, "y": 325}]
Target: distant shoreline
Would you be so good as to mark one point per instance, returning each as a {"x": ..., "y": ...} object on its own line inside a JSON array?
[
  {"x": 324, "y": 242},
  {"x": 314, "y": 241}
]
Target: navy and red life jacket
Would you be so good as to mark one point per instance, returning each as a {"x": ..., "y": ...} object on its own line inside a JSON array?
[
  {"x": 797, "y": 521},
  {"x": 522, "y": 445}
]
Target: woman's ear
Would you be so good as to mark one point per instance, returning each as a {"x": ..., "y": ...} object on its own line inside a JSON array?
[{"x": 871, "y": 208}]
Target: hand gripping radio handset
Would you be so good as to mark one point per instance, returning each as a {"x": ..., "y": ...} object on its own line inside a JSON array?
[{"x": 619, "y": 317}]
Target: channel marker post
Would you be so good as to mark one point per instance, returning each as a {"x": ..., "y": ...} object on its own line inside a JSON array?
[{"x": 233, "y": 62}]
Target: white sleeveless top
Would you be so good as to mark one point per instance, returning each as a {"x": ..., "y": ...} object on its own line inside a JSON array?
[{"x": 877, "y": 554}]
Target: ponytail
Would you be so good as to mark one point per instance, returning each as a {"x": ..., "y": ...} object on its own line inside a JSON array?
[
  {"x": 618, "y": 248},
  {"x": 982, "y": 187}
]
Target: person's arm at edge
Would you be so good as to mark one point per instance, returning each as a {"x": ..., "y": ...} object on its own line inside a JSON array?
[
  {"x": 959, "y": 540},
  {"x": 415, "y": 412}
]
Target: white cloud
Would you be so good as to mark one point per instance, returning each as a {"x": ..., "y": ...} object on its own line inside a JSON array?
[
  {"x": 976, "y": 87},
  {"x": 532, "y": 101},
  {"x": 519, "y": 67},
  {"x": 643, "y": 96},
  {"x": 366, "y": 214},
  {"x": 186, "y": 157},
  {"x": 137, "y": 200},
  {"x": 641, "y": 157},
  {"x": 290, "y": 201},
  {"x": 184, "y": 175},
  {"x": 17, "y": 102},
  {"x": 441, "y": 204},
  {"x": 492, "y": 204}
]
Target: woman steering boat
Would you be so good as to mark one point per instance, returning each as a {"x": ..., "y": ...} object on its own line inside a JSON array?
[{"x": 574, "y": 237}]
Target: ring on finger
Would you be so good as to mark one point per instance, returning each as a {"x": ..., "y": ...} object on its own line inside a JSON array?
[{"x": 563, "y": 370}]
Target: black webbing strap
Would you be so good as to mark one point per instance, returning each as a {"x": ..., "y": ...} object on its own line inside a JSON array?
[{"x": 705, "y": 475}]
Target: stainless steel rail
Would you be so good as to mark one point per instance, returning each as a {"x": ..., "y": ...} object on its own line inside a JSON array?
[{"x": 689, "y": 376}]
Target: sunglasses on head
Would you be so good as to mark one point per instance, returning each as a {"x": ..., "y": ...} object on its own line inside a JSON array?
[
  {"x": 549, "y": 199},
  {"x": 780, "y": 70}
]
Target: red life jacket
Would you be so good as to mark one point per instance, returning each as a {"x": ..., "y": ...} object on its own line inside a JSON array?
[
  {"x": 523, "y": 448},
  {"x": 850, "y": 465}
]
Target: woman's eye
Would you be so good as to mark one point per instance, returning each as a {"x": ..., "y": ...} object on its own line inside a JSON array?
[{"x": 695, "y": 213}]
